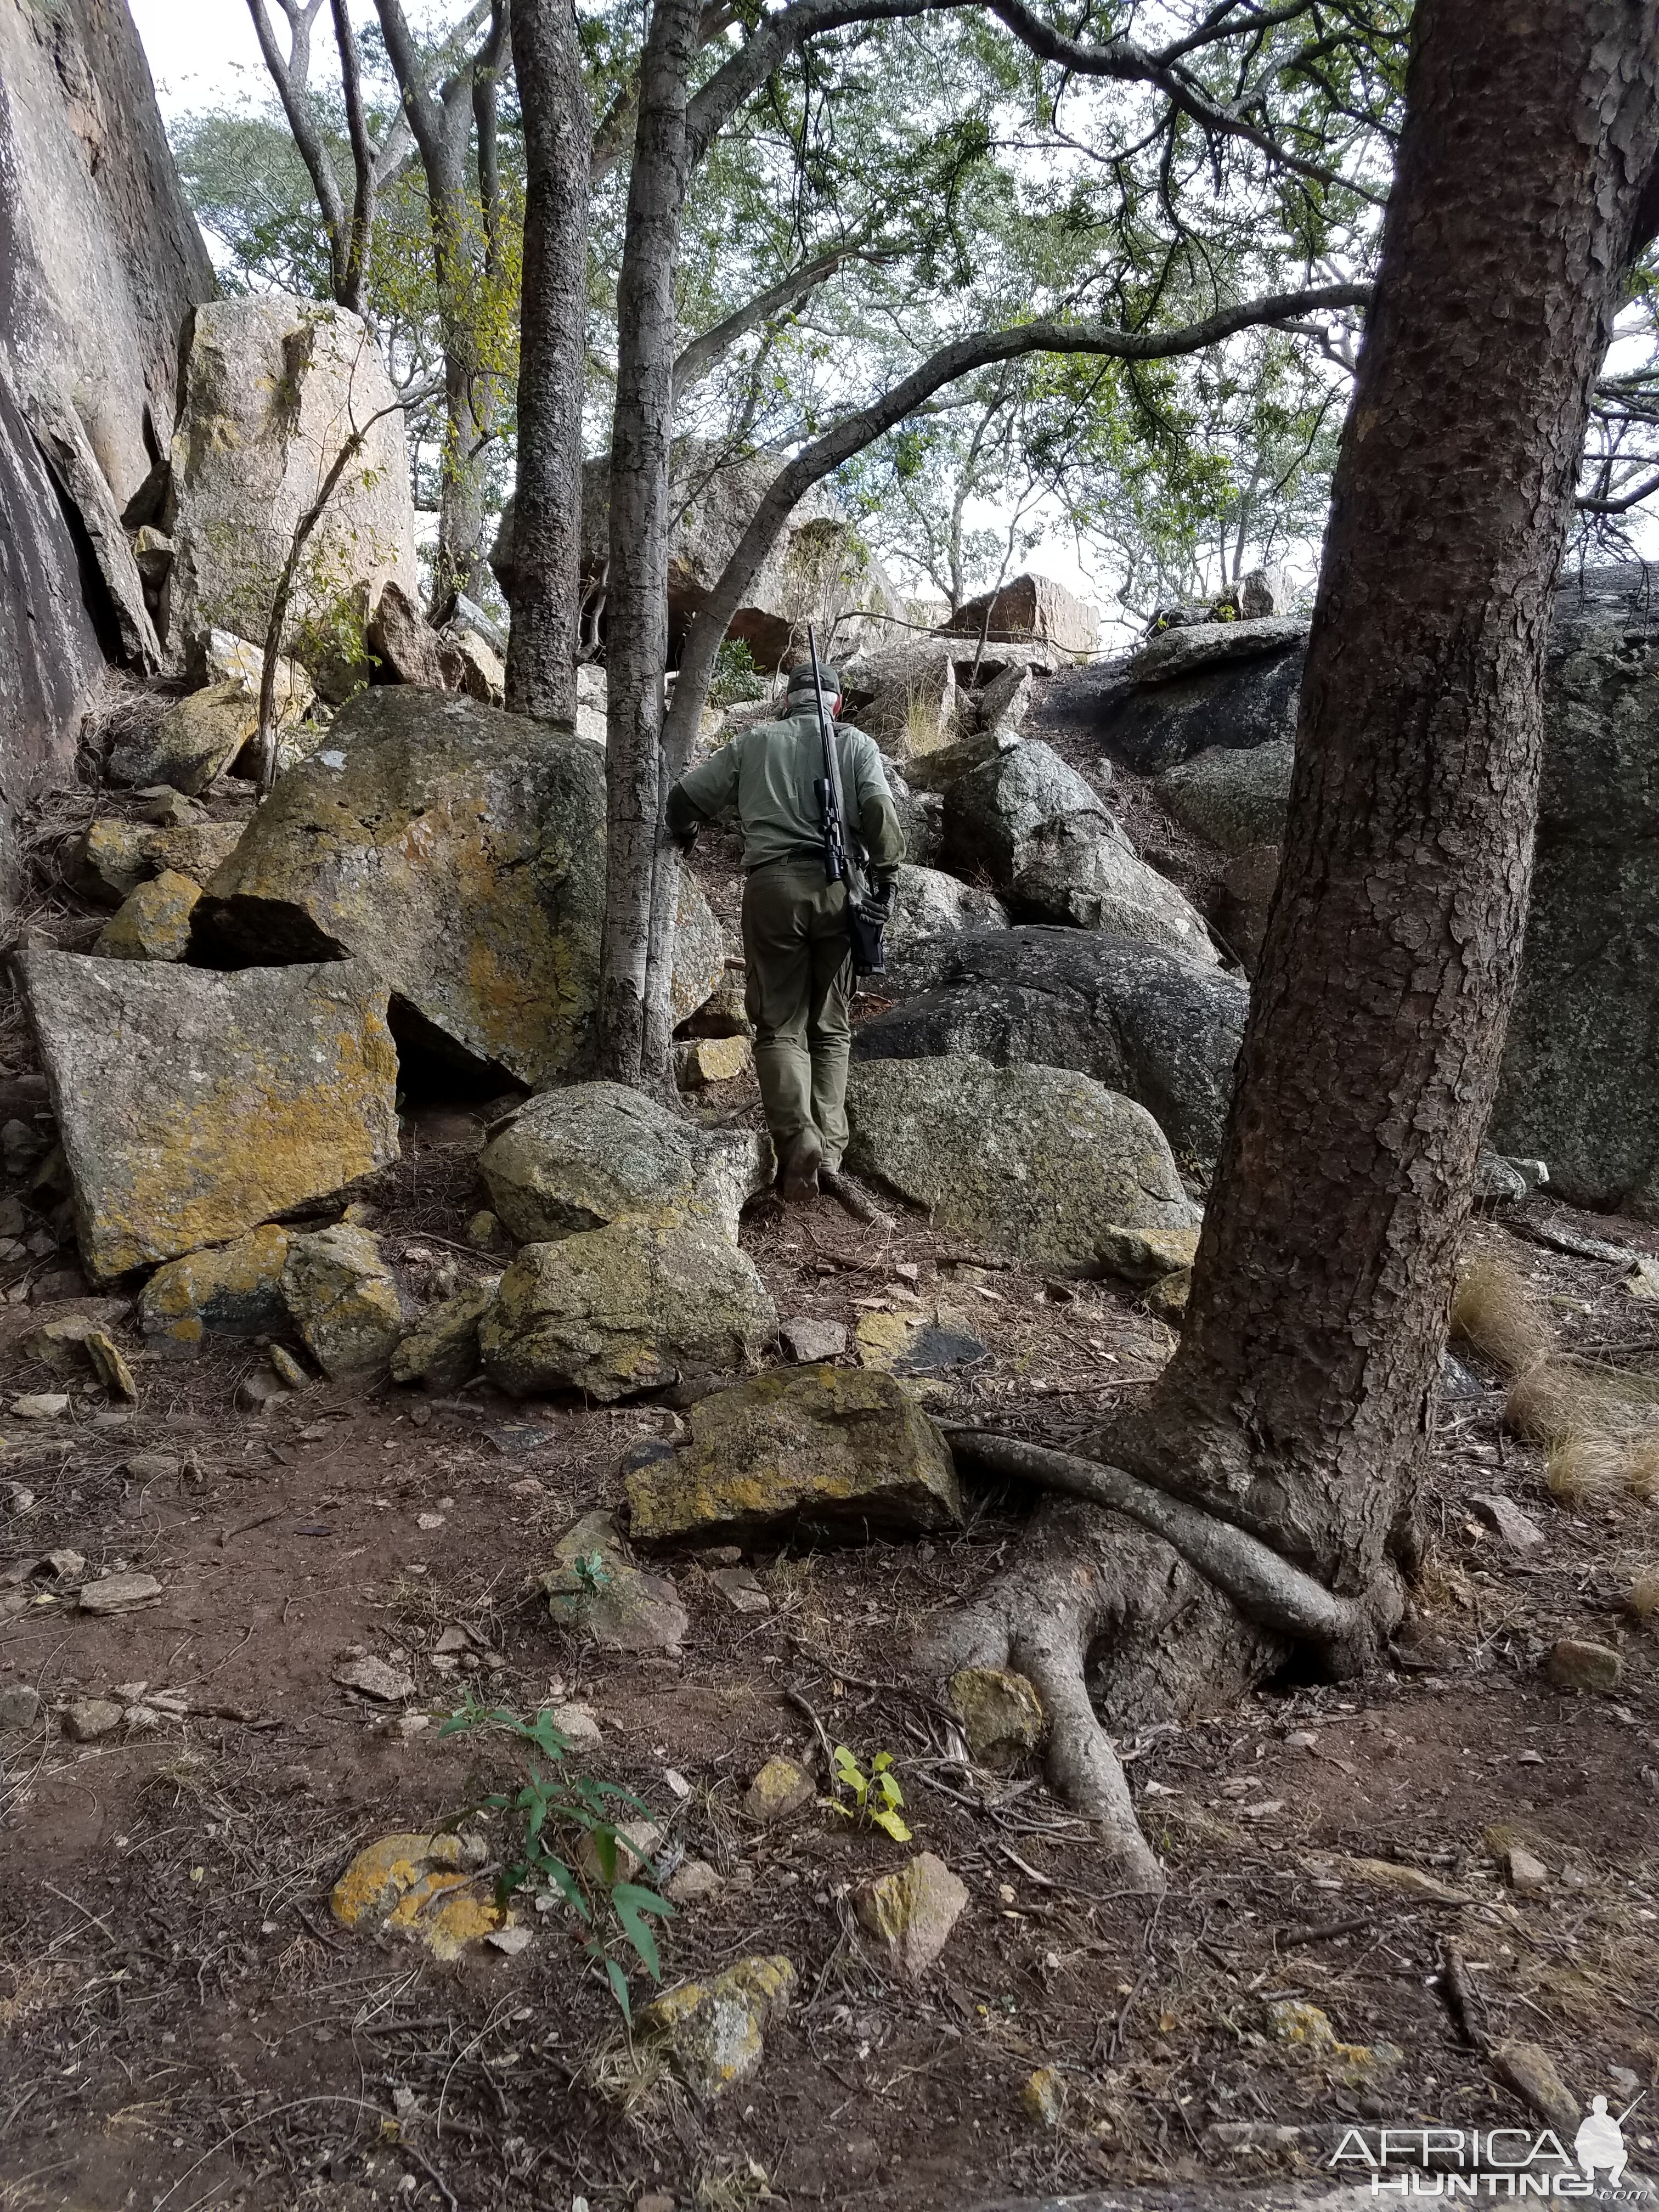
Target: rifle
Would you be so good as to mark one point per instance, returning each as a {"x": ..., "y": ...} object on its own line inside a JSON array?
[
  {"x": 832, "y": 806},
  {"x": 866, "y": 922}
]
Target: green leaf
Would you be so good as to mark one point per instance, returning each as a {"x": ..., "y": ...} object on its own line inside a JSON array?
[
  {"x": 618, "y": 1982},
  {"x": 883, "y": 1818},
  {"x": 632, "y": 1904}
]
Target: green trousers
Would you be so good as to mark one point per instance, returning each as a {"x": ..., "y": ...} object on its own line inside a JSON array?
[{"x": 798, "y": 990}]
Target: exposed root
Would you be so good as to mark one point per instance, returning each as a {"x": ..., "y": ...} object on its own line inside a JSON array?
[
  {"x": 1265, "y": 1587},
  {"x": 1096, "y": 1604}
]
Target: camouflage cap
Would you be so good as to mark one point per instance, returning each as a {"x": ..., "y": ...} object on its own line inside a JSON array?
[{"x": 800, "y": 679}]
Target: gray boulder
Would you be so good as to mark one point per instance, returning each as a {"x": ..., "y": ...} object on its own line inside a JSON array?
[
  {"x": 1029, "y": 1164},
  {"x": 1580, "y": 1081},
  {"x": 628, "y": 1307},
  {"x": 921, "y": 817},
  {"x": 1230, "y": 798},
  {"x": 1000, "y": 816},
  {"x": 905, "y": 696},
  {"x": 1233, "y": 699},
  {"x": 1164, "y": 1031},
  {"x": 930, "y": 910},
  {"x": 575, "y": 1159},
  {"x": 1101, "y": 883},
  {"x": 461, "y": 852},
  {"x": 193, "y": 1106},
  {"x": 1029, "y": 609},
  {"x": 1186, "y": 650},
  {"x": 273, "y": 388}
]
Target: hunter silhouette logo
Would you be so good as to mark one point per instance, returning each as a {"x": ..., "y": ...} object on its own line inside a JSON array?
[{"x": 1487, "y": 2162}]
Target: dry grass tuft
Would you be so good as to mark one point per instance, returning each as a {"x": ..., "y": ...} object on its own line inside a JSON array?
[
  {"x": 1643, "y": 1599},
  {"x": 922, "y": 733},
  {"x": 1495, "y": 1313},
  {"x": 1585, "y": 1469},
  {"x": 1642, "y": 1468}
]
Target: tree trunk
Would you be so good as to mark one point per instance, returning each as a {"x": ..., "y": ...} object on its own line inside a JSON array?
[
  {"x": 1302, "y": 1398},
  {"x": 546, "y": 595},
  {"x": 632, "y": 1048}
]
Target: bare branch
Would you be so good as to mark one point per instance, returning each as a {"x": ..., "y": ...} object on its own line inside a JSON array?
[{"x": 699, "y": 358}]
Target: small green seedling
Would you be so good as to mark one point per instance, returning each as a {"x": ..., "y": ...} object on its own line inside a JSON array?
[
  {"x": 549, "y": 1804},
  {"x": 591, "y": 1572},
  {"x": 876, "y": 1797}
]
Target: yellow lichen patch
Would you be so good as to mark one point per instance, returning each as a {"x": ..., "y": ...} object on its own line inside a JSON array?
[
  {"x": 711, "y": 2031},
  {"x": 237, "y": 1287},
  {"x": 1304, "y": 2029},
  {"x": 420, "y": 1885},
  {"x": 153, "y": 923}
]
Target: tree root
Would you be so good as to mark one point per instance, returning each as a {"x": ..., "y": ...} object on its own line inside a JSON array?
[
  {"x": 1265, "y": 1587},
  {"x": 1095, "y": 1607}
]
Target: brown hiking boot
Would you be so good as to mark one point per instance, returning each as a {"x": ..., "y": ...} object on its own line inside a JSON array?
[{"x": 800, "y": 1167}]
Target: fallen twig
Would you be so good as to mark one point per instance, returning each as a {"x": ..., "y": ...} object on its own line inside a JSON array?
[
  {"x": 849, "y": 1196},
  {"x": 1291, "y": 1939}
]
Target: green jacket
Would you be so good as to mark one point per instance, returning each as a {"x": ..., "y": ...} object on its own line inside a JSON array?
[{"x": 768, "y": 770}]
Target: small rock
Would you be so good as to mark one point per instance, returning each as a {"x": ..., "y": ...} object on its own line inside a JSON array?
[
  {"x": 1043, "y": 2096},
  {"x": 1307, "y": 2031},
  {"x": 19, "y": 1499},
  {"x": 1574, "y": 1665},
  {"x": 484, "y": 1233},
  {"x": 64, "y": 1566},
  {"x": 60, "y": 1341},
  {"x": 1526, "y": 1872},
  {"x": 593, "y": 1586},
  {"x": 344, "y": 1299},
  {"x": 20, "y": 1707},
  {"x": 231, "y": 1290},
  {"x": 119, "y": 1593},
  {"x": 109, "y": 1365},
  {"x": 1530, "y": 2072},
  {"x": 713, "y": 1059},
  {"x": 740, "y": 1588},
  {"x": 88, "y": 1718},
  {"x": 808, "y": 1341},
  {"x": 288, "y": 1371},
  {"x": 511, "y": 1940},
  {"x": 1001, "y": 1712},
  {"x": 911, "y": 1913},
  {"x": 780, "y": 1789},
  {"x": 656, "y": 2200},
  {"x": 1521, "y": 1534},
  {"x": 423, "y": 1887},
  {"x": 154, "y": 922},
  {"x": 41, "y": 1406},
  {"x": 712, "y": 2031},
  {"x": 377, "y": 1678},
  {"x": 577, "y": 1725},
  {"x": 443, "y": 1351},
  {"x": 1301, "y": 1740},
  {"x": 153, "y": 1467},
  {"x": 637, "y": 1844},
  {"x": 1146, "y": 1256},
  {"x": 692, "y": 1882}
]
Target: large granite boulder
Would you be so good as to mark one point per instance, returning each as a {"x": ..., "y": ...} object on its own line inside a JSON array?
[
  {"x": 192, "y": 1106},
  {"x": 103, "y": 262},
  {"x": 576, "y": 1158},
  {"x": 1001, "y": 816},
  {"x": 628, "y": 1307},
  {"x": 1232, "y": 799},
  {"x": 1033, "y": 1165},
  {"x": 1029, "y": 609},
  {"x": 1164, "y": 1031},
  {"x": 829, "y": 1451},
  {"x": 461, "y": 852},
  {"x": 1235, "y": 684},
  {"x": 115, "y": 856},
  {"x": 905, "y": 696},
  {"x": 1580, "y": 1082},
  {"x": 1102, "y": 882},
  {"x": 273, "y": 388},
  {"x": 930, "y": 911}
]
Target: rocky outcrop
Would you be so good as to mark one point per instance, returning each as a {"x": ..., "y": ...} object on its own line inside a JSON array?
[
  {"x": 461, "y": 852},
  {"x": 273, "y": 389},
  {"x": 1031, "y": 609},
  {"x": 115, "y": 856},
  {"x": 834, "y": 1451},
  {"x": 193, "y": 1106},
  {"x": 1580, "y": 1081},
  {"x": 1164, "y": 1031},
  {"x": 904, "y": 695},
  {"x": 101, "y": 264},
  {"x": 1232, "y": 798},
  {"x": 1027, "y": 1164},
  {"x": 579, "y": 1158},
  {"x": 628, "y": 1307},
  {"x": 1233, "y": 684}
]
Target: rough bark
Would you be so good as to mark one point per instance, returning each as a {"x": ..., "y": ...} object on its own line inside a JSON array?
[
  {"x": 546, "y": 595},
  {"x": 1300, "y": 1401},
  {"x": 643, "y": 870}
]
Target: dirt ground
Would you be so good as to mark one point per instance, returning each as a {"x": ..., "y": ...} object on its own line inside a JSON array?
[{"x": 185, "y": 2025}]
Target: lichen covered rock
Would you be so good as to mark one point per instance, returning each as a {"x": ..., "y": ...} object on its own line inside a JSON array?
[
  {"x": 442, "y": 1351},
  {"x": 461, "y": 852},
  {"x": 1030, "y": 1165},
  {"x": 578, "y": 1159},
  {"x": 116, "y": 856},
  {"x": 831, "y": 1450},
  {"x": 192, "y": 1106},
  {"x": 1001, "y": 1714},
  {"x": 197, "y": 740},
  {"x": 713, "y": 2032},
  {"x": 427, "y": 1887},
  {"x": 594, "y": 1589},
  {"x": 153, "y": 922},
  {"x": 232, "y": 1290},
  {"x": 344, "y": 1299},
  {"x": 628, "y": 1307},
  {"x": 911, "y": 1913}
]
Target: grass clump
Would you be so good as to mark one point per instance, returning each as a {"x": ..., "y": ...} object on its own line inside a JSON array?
[
  {"x": 1643, "y": 1599},
  {"x": 1495, "y": 1313}
]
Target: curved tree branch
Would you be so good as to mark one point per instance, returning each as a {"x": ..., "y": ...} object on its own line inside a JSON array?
[
  {"x": 856, "y": 431},
  {"x": 699, "y": 358}
]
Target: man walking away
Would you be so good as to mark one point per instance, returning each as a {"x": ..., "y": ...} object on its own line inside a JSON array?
[{"x": 796, "y": 941}]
